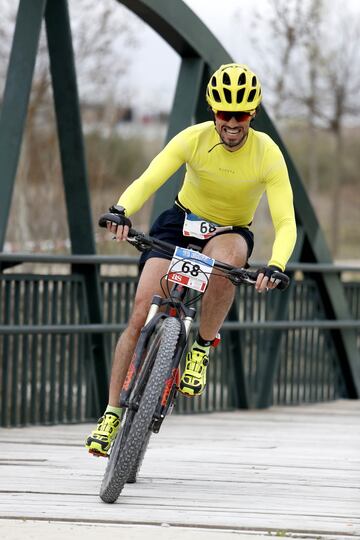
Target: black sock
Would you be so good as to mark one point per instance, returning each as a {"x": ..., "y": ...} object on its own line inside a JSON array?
[{"x": 204, "y": 342}]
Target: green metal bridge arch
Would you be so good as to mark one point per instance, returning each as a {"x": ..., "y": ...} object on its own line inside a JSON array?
[{"x": 200, "y": 54}]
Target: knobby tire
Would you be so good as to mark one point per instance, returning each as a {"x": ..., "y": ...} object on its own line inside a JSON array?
[
  {"x": 136, "y": 467},
  {"x": 131, "y": 442}
]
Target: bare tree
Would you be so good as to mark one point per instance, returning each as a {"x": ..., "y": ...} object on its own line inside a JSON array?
[
  {"x": 308, "y": 94},
  {"x": 341, "y": 71},
  {"x": 280, "y": 33},
  {"x": 332, "y": 63},
  {"x": 103, "y": 34},
  {"x": 291, "y": 33},
  {"x": 317, "y": 79}
]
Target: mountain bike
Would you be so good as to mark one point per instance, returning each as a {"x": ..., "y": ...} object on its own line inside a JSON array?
[{"x": 152, "y": 381}]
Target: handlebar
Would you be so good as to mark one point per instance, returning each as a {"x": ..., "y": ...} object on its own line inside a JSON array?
[{"x": 237, "y": 276}]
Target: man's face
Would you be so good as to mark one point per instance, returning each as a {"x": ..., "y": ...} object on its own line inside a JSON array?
[{"x": 233, "y": 128}]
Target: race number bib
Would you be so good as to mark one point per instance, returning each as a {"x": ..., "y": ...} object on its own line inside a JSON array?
[
  {"x": 200, "y": 228},
  {"x": 190, "y": 268}
]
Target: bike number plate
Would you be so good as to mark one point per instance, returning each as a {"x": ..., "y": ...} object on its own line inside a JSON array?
[
  {"x": 190, "y": 268},
  {"x": 199, "y": 228}
]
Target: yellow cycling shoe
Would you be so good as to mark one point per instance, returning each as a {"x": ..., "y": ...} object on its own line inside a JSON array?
[
  {"x": 99, "y": 442},
  {"x": 193, "y": 380}
]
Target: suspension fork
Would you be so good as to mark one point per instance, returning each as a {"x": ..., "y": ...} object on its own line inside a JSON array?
[
  {"x": 174, "y": 305},
  {"x": 139, "y": 354},
  {"x": 174, "y": 308},
  {"x": 167, "y": 400}
]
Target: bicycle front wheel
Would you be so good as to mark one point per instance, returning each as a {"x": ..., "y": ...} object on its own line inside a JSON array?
[{"x": 133, "y": 438}]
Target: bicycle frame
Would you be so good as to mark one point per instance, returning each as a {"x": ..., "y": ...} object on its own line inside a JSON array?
[
  {"x": 173, "y": 306},
  {"x": 153, "y": 377}
]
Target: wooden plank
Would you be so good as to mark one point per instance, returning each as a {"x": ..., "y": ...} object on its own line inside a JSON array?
[{"x": 293, "y": 470}]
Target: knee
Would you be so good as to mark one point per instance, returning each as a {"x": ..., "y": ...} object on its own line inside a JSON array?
[
  {"x": 229, "y": 249},
  {"x": 234, "y": 257}
]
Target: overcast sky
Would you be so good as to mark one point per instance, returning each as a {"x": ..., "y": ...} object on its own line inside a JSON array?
[
  {"x": 154, "y": 52},
  {"x": 229, "y": 20}
]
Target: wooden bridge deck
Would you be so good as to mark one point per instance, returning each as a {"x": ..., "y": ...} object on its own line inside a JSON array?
[{"x": 283, "y": 472}]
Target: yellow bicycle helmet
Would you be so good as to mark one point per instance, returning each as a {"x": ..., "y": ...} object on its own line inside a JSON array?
[{"x": 233, "y": 87}]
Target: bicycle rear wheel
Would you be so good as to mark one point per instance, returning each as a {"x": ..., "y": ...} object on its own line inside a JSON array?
[{"x": 127, "y": 449}]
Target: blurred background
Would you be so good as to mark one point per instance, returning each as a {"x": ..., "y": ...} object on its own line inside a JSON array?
[{"x": 307, "y": 54}]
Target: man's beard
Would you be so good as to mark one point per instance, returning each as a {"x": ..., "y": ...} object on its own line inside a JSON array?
[{"x": 231, "y": 144}]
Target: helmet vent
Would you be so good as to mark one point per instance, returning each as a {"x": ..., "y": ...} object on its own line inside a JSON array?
[
  {"x": 252, "y": 94},
  {"x": 227, "y": 95},
  {"x": 242, "y": 79},
  {"x": 213, "y": 81},
  {"x": 254, "y": 82},
  {"x": 240, "y": 95},
  {"x": 216, "y": 96},
  {"x": 226, "y": 78}
]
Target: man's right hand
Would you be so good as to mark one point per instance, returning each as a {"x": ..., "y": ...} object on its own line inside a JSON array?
[{"x": 116, "y": 222}]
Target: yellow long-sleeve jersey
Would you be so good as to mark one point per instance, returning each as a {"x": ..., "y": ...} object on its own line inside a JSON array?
[{"x": 221, "y": 186}]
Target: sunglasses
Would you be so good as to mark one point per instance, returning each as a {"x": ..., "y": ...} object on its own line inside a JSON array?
[{"x": 226, "y": 116}]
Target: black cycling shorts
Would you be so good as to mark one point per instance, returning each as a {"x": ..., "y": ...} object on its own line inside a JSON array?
[{"x": 169, "y": 226}]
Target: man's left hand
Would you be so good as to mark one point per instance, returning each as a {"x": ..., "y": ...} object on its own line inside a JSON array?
[{"x": 264, "y": 280}]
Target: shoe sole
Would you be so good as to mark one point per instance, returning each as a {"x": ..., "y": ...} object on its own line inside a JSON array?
[
  {"x": 94, "y": 447},
  {"x": 96, "y": 453},
  {"x": 185, "y": 392}
]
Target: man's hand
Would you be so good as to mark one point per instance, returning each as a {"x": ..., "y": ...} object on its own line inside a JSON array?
[
  {"x": 116, "y": 222},
  {"x": 120, "y": 232},
  {"x": 265, "y": 281}
]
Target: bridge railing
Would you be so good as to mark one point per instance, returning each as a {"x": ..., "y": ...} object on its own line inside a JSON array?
[{"x": 47, "y": 372}]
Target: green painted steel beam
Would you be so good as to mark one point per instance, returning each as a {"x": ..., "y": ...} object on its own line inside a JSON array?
[
  {"x": 243, "y": 397},
  {"x": 201, "y": 53},
  {"x": 72, "y": 153},
  {"x": 189, "y": 37},
  {"x": 316, "y": 250},
  {"x": 185, "y": 100},
  {"x": 67, "y": 108},
  {"x": 271, "y": 357},
  {"x": 278, "y": 326},
  {"x": 336, "y": 306},
  {"x": 181, "y": 28},
  {"x": 19, "y": 258},
  {"x": 16, "y": 98},
  {"x": 183, "y": 113}
]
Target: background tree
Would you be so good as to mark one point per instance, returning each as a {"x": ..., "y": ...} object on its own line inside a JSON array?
[
  {"x": 279, "y": 33},
  {"x": 341, "y": 72},
  {"x": 310, "y": 61},
  {"x": 103, "y": 35}
]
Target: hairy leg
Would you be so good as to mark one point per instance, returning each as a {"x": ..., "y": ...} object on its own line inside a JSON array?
[
  {"x": 232, "y": 249},
  {"x": 149, "y": 285}
]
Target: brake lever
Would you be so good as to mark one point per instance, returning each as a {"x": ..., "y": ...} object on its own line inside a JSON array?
[
  {"x": 236, "y": 279},
  {"x": 137, "y": 241}
]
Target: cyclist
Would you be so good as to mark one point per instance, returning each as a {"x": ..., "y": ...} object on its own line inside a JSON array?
[{"x": 229, "y": 166}]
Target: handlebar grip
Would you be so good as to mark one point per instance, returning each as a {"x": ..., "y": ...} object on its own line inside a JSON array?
[
  {"x": 284, "y": 280},
  {"x": 114, "y": 218},
  {"x": 118, "y": 219}
]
